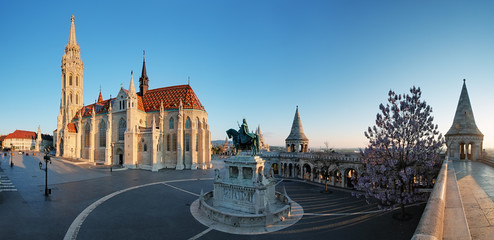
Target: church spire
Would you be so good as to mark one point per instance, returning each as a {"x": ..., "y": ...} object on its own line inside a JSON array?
[
  {"x": 72, "y": 38},
  {"x": 464, "y": 121},
  {"x": 143, "y": 80},
  {"x": 132, "y": 89},
  {"x": 100, "y": 97}
]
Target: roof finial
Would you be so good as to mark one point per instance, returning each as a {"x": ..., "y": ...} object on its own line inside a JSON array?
[
  {"x": 188, "y": 80},
  {"x": 72, "y": 18},
  {"x": 464, "y": 80},
  {"x": 143, "y": 55}
]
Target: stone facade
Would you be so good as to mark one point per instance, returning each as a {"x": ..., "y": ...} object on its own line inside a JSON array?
[
  {"x": 464, "y": 139},
  {"x": 150, "y": 129}
]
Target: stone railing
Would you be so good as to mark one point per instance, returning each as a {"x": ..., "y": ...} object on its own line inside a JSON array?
[
  {"x": 314, "y": 156},
  {"x": 488, "y": 160},
  {"x": 431, "y": 223}
]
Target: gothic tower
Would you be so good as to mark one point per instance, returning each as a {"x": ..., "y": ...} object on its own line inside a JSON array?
[
  {"x": 297, "y": 141},
  {"x": 143, "y": 80},
  {"x": 72, "y": 82},
  {"x": 464, "y": 139}
]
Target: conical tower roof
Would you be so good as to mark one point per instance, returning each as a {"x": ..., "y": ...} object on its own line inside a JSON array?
[
  {"x": 297, "y": 132},
  {"x": 464, "y": 121}
]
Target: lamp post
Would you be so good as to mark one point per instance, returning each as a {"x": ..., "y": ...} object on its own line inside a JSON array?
[
  {"x": 47, "y": 160},
  {"x": 11, "y": 155}
]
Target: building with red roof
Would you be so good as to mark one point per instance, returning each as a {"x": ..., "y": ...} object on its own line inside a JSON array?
[
  {"x": 149, "y": 129},
  {"x": 26, "y": 140}
]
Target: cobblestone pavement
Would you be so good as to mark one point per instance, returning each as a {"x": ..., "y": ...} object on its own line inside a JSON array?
[
  {"x": 145, "y": 208},
  {"x": 476, "y": 184}
]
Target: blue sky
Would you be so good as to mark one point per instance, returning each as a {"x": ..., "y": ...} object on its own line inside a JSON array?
[{"x": 336, "y": 60}]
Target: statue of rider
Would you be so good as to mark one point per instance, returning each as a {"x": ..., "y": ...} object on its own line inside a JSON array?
[{"x": 245, "y": 135}]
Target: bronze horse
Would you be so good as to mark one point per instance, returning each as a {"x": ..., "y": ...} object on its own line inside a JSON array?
[{"x": 252, "y": 142}]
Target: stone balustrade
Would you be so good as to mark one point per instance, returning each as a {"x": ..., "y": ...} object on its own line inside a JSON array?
[{"x": 431, "y": 223}]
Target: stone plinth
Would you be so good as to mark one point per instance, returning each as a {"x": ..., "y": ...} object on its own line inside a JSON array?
[
  {"x": 243, "y": 187},
  {"x": 243, "y": 196}
]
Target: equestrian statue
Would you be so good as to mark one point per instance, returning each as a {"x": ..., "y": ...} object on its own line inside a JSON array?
[{"x": 243, "y": 139}]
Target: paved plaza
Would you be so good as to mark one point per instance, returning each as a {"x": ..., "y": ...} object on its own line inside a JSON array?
[{"x": 89, "y": 202}]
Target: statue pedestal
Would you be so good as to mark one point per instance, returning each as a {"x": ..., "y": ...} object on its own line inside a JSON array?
[
  {"x": 243, "y": 197},
  {"x": 243, "y": 186}
]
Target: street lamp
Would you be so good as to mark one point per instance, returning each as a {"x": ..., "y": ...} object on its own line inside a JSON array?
[
  {"x": 11, "y": 155},
  {"x": 47, "y": 160},
  {"x": 111, "y": 156}
]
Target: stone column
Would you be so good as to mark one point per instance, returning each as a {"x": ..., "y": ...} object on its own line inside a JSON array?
[
  {"x": 193, "y": 149},
  {"x": 108, "y": 149},
  {"x": 180, "y": 141}
]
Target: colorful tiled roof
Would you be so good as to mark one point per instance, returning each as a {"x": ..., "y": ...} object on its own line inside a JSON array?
[
  {"x": 22, "y": 134},
  {"x": 72, "y": 128},
  {"x": 171, "y": 97},
  {"x": 151, "y": 101}
]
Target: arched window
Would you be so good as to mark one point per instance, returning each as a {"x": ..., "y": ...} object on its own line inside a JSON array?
[
  {"x": 121, "y": 129},
  {"x": 187, "y": 142},
  {"x": 102, "y": 134},
  {"x": 197, "y": 142},
  {"x": 77, "y": 98},
  {"x": 187, "y": 123},
  {"x": 64, "y": 82},
  {"x": 64, "y": 98},
  {"x": 168, "y": 142},
  {"x": 174, "y": 142},
  {"x": 172, "y": 123},
  {"x": 197, "y": 123},
  {"x": 77, "y": 81},
  {"x": 70, "y": 98},
  {"x": 140, "y": 145},
  {"x": 70, "y": 80},
  {"x": 87, "y": 130},
  {"x": 145, "y": 147}
]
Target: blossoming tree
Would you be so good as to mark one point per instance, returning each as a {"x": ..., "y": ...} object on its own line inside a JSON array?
[{"x": 403, "y": 152}]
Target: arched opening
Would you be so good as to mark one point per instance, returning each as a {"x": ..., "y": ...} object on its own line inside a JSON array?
[
  {"x": 61, "y": 146},
  {"x": 274, "y": 166},
  {"x": 462, "y": 151},
  {"x": 470, "y": 151},
  {"x": 171, "y": 123},
  {"x": 350, "y": 173},
  {"x": 70, "y": 80},
  {"x": 293, "y": 148},
  {"x": 301, "y": 147},
  {"x": 122, "y": 125},
  {"x": 307, "y": 172},
  {"x": 290, "y": 170},
  {"x": 102, "y": 134},
  {"x": 120, "y": 156},
  {"x": 337, "y": 177},
  {"x": 187, "y": 123},
  {"x": 86, "y": 135}
]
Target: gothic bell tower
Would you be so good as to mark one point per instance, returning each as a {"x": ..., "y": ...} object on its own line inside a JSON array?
[{"x": 72, "y": 82}]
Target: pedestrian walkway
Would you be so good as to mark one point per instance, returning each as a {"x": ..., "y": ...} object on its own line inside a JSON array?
[
  {"x": 475, "y": 181},
  {"x": 5, "y": 184}
]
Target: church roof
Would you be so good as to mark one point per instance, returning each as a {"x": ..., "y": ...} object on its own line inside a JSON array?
[
  {"x": 297, "y": 132},
  {"x": 464, "y": 121},
  {"x": 72, "y": 127},
  {"x": 171, "y": 97},
  {"x": 151, "y": 101}
]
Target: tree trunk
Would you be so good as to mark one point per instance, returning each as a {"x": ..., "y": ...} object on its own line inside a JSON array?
[{"x": 402, "y": 210}]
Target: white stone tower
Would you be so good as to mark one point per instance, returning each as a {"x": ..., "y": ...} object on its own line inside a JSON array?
[
  {"x": 464, "y": 139},
  {"x": 72, "y": 90},
  {"x": 297, "y": 141}
]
